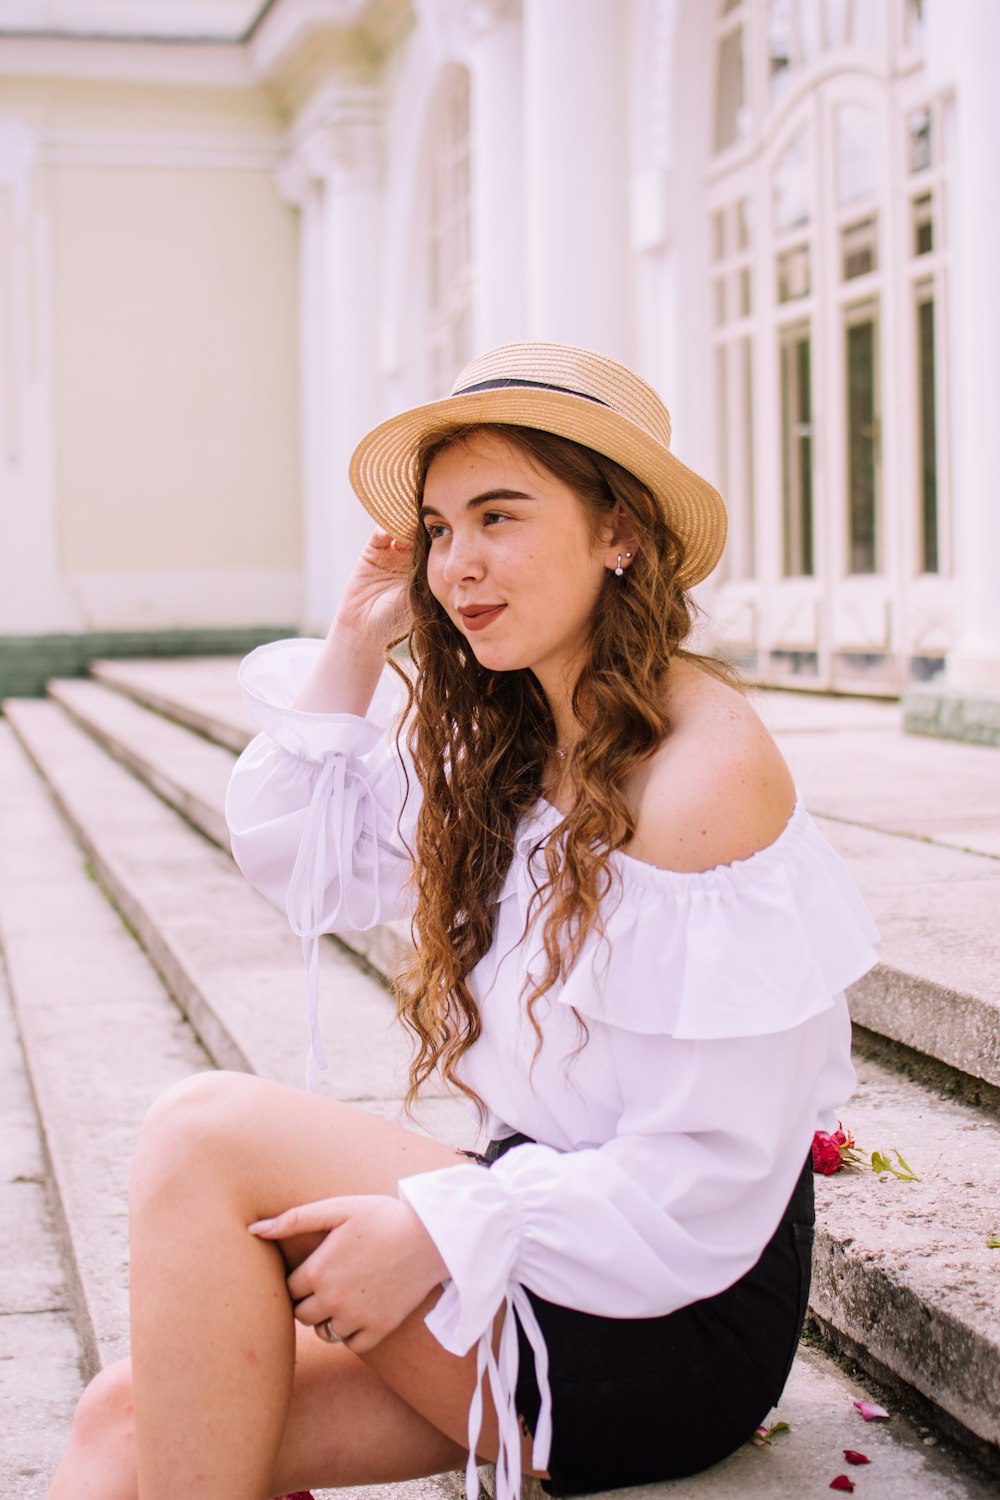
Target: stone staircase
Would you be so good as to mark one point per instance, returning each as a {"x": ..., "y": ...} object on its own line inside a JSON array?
[{"x": 135, "y": 953}]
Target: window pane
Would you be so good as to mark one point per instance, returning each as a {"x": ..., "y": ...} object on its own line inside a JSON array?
[
  {"x": 838, "y": 22},
  {"x": 810, "y": 29},
  {"x": 866, "y": 23},
  {"x": 862, "y": 447},
  {"x": 780, "y": 46},
  {"x": 434, "y": 276},
  {"x": 930, "y": 560},
  {"x": 731, "y": 121},
  {"x": 859, "y": 246},
  {"x": 856, "y": 146},
  {"x": 743, "y": 224},
  {"x": 921, "y": 142},
  {"x": 793, "y": 182},
  {"x": 796, "y": 443},
  {"x": 722, "y": 416},
  {"x": 914, "y": 23},
  {"x": 719, "y": 298},
  {"x": 923, "y": 225},
  {"x": 719, "y": 233},
  {"x": 749, "y": 547},
  {"x": 793, "y": 274},
  {"x": 449, "y": 236},
  {"x": 746, "y": 294}
]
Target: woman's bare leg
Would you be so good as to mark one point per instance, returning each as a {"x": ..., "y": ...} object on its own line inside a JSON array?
[
  {"x": 345, "y": 1427},
  {"x": 212, "y": 1329}
]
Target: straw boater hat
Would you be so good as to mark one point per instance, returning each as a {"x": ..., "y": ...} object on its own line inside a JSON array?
[{"x": 559, "y": 389}]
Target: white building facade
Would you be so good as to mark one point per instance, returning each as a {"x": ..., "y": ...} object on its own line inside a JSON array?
[{"x": 781, "y": 212}]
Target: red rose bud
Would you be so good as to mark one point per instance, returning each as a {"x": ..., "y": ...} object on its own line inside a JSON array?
[
  {"x": 842, "y": 1483},
  {"x": 854, "y": 1457},
  {"x": 825, "y": 1153}
]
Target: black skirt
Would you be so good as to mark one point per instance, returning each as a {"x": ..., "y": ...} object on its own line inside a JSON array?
[{"x": 636, "y": 1400}]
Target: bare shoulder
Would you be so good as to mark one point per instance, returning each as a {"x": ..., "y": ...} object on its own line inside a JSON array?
[{"x": 718, "y": 788}]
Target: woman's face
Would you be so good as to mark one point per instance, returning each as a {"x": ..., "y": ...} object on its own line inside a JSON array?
[{"x": 512, "y": 558}]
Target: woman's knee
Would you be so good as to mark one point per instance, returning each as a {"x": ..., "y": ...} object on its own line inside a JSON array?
[
  {"x": 105, "y": 1413},
  {"x": 194, "y": 1127}
]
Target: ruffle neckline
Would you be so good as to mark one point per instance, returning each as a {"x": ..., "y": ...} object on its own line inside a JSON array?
[{"x": 744, "y": 949}]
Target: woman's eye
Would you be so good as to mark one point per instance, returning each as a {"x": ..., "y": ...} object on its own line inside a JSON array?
[
  {"x": 491, "y": 517},
  {"x": 435, "y": 529}
]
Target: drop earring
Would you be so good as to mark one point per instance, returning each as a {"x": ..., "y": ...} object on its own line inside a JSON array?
[{"x": 619, "y": 570}]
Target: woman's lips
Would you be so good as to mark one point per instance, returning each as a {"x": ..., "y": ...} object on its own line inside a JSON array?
[{"x": 477, "y": 618}]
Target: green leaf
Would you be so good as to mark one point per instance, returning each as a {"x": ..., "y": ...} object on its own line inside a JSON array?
[
  {"x": 993, "y": 1243},
  {"x": 880, "y": 1163},
  {"x": 912, "y": 1177},
  {"x": 765, "y": 1434}
]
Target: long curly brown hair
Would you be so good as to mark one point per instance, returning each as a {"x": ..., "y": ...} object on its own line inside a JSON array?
[{"x": 481, "y": 741}]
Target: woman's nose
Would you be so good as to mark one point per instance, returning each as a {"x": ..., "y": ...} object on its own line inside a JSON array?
[{"x": 464, "y": 558}]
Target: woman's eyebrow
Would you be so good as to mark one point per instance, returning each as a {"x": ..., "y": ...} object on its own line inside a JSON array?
[{"x": 486, "y": 498}]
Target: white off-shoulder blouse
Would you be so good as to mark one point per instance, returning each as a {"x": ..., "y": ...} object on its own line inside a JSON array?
[{"x": 718, "y": 1040}]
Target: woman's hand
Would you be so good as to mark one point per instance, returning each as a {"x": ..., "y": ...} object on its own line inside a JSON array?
[
  {"x": 375, "y": 1264},
  {"x": 374, "y": 601}
]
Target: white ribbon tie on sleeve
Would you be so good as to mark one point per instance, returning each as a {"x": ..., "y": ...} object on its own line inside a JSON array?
[
  {"x": 310, "y": 877},
  {"x": 501, "y": 1370}
]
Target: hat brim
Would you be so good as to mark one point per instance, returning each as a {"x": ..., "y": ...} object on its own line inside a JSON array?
[{"x": 384, "y": 475}]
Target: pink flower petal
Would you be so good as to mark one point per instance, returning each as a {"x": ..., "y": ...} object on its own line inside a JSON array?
[
  {"x": 854, "y": 1457},
  {"x": 870, "y": 1411},
  {"x": 842, "y": 1483}
]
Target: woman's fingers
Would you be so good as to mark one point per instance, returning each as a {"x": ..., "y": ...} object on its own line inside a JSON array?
[
  {"x": 306, "y": 1218},
  {"x": 384, "y": 539},
  {"x": 374, "y": 1263}
]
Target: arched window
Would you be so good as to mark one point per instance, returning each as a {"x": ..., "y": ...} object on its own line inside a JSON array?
[
  {"x": 827, "y": 274},
  {"x": 449, "y": 235}
]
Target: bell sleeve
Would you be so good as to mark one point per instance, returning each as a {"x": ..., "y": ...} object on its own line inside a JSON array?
[{"x": 320, "y": 808}]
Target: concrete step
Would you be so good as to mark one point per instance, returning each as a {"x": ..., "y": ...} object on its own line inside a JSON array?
[
  {"x": 102, "y": 1040},
  {"x": 201, "y": 693},
  {"x": 935, "y": 990},
  {"x": 226, "y": 955},
  {"x": 852, "y": 761},
  {"x": 93, "y": 1082},
  {"x": 39, "y": 1354},
  {"x": 903, "y": 1270},
  {"x": 89, "y": 1006},
  {"x": 187, "y": 771}
]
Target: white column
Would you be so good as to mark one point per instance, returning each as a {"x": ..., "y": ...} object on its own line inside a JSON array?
[
  {"x": 34, "y": 598},
  {"x": 494, "y": 52},
  {"x": 305, "y": 193},
  {"x": 576, "y": 165},
  {"x": 975, "y": 663},
  {"x": 341, "y": 268}
]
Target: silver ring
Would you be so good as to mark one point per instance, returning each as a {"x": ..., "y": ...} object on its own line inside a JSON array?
[{"x": 326, "y": 1331}]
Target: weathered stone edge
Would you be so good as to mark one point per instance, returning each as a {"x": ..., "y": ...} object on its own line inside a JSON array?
[
  {"x": 949, "y": 1025},
  {"x": 28, "y": 661},
  {"x": 953, "y": 714},
  {"x": 207, "y": 819},
  {"x": 229, "y": 736},
  {"x": 920, "y": 1342}
]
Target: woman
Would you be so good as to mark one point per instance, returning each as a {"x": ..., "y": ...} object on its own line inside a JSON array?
[{"x": 631, "y": 947}]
